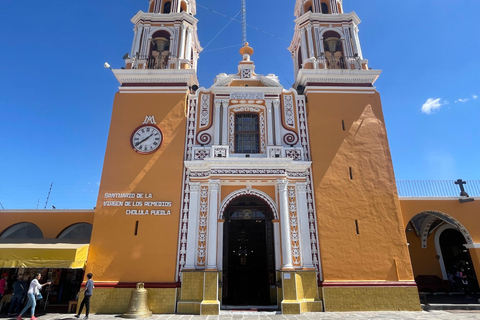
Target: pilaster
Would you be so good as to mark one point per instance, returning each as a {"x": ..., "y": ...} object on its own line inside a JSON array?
[
  {"x": 192, "y": 225},
  {"x": 276, "y": 108},
  {"x": 181, "y": 54},
  {"x": 311, "y": 50},
  {"x": 216, "y": 112},
  {"x": 214, "y": 186},
  {"x": 302, "y": 213},
  {"x": 304, "y": 45},
  {"x": 285, "y": 224}
]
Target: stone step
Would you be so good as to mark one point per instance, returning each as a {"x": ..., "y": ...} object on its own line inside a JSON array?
[{"x": 445, "y": 306}]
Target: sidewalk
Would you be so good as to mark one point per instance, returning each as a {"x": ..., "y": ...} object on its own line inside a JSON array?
[{"x": 234, "y": 315}]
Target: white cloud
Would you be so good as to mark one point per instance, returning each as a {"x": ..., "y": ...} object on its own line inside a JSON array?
[
  {"x": 432, "y": 105},
  {"x": 462, "y": 100},
  {"x": 474, "y": 96}
]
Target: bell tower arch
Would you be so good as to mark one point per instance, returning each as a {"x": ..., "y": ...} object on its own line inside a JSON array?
[
  {"x": 314, "y": 46},
  {"x": 177, "y": 48}
]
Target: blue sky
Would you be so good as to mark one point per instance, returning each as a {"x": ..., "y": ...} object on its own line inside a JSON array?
[{"x": 56, "y": 97}]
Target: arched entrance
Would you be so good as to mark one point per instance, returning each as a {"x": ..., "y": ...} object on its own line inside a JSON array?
[
  {"x": 455, "y": 256},
  {"x": 438, "y": 245},
  {"x": 248, "y": 253}
]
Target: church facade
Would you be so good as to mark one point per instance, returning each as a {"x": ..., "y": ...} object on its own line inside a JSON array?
[{"x": 251, "y": 194}]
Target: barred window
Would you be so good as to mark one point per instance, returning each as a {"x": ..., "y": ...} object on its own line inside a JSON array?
[{"x": 247, "y": 136}]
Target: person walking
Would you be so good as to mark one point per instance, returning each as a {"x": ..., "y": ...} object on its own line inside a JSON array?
[
  {"x": 19, "y": 291},
  {"x": 3, "y": 284},
  {"x": 32, "y": 293},
  {"x": 86, "y": 299}
]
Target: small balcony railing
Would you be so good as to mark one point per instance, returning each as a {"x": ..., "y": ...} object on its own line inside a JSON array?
[
  {"x": 159, "y": 61},
  {"x": 201, "y": 153},
  {"x": 336, "y": 62},
  {"x": 437, "y": 188}
]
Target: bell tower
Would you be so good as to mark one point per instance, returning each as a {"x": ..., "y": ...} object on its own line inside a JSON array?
[
  {"x": 140, "y": 196},
  {"x": 326, "y": 38},
  {"x": 165, "y": 37},
  {"x": 356, "y": 202}
]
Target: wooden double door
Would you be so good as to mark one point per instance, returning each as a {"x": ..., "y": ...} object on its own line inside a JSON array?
[{"x": 248, "y": 254}]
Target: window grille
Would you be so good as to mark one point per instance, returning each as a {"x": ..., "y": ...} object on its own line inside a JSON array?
[{"x": 247, "y": 135}]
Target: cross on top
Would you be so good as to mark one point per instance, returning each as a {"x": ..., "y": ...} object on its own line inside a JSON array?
[{"x": 460, "y": 183}]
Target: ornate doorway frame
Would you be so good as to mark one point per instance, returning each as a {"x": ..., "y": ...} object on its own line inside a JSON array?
[{"x": 276, "y": 226}]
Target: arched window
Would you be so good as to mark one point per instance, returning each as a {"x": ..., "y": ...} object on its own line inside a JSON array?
[
  {"x": 159, "y": 50},
  {"x": 308, "y": 7},
  {"x": 324, "y": 7},
  {"x": 299, "y": 56},
  {"x": 247, "y": 135},
  {"x": 334, "y": 50},
  {"x": 167, "y": 7},
  {"x": 23, "y": 230},
  {"x": 77, "y": 231},
  {"x": 183, "y": 6}
]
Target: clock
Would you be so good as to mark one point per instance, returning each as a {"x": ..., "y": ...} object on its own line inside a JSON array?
[{"x": 146, "y": 139}]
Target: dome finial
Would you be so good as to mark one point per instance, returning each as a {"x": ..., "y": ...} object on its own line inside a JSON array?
[{"x": 246, "y": 49}]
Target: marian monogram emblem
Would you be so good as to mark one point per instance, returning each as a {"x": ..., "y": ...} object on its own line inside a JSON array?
[{"x": 149, "y": 119}]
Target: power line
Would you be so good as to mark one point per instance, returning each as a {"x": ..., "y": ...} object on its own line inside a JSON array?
[
  {"x": 248, "y": 25},
  {"x": 221, "y": 31},
  {"x": 223, "y": 48}
]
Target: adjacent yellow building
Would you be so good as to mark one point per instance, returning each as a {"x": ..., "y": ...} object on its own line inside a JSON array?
[{"x": 246, "y": 193}]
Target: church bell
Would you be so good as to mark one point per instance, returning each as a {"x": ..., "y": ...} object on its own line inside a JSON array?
[
  {"x": 138, "y": 307},
  {"x": 332, "y": 43}
]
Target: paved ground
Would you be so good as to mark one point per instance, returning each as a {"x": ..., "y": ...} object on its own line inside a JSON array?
[{"x": 236, "y": 315}]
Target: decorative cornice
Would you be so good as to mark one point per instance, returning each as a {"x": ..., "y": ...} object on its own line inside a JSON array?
[
  {"x": 248, "y": 163},
  {"x": 266, "y": 90},
  {"x": 223, "y": 80},
  {"x": 144, "y": 76},
  {"x": 163, "y": 18},
  {"x": 335, "y": 76},
  {"x": 328, "y": 18}
]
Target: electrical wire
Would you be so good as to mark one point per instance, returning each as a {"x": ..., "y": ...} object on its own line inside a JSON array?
[
  {"x": 248, "y": 25},
  {"x": 221, "y": 31},
  {"x": 235, "y": 46}
]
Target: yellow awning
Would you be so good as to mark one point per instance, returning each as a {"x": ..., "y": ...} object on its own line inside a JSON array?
[{"x": 42, "y": 255}]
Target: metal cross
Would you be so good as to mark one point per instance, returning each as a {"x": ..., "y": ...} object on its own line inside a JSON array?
[{"x": 460, "y": 183}]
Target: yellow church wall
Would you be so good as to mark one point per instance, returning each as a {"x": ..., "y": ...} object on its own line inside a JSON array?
[
  {"x": 368, "y": 199},
  {"x": 369, "y": 298},
  {"x": 117, "y": 300},
  {"x": 116, "y": 253},
  {"x": 51, "y": 222},
  {"x": 424, "y": 261},
  {"x": 465, "y": 213}
]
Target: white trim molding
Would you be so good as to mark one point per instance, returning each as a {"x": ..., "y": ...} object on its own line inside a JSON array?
[
  {"x": 472, "y": 245},
  {"x": 151, "y": 76},
  {"x": 343, "y": 76}
]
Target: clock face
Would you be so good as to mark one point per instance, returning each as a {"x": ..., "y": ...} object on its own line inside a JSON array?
[{"x": 146, "y": 139}]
